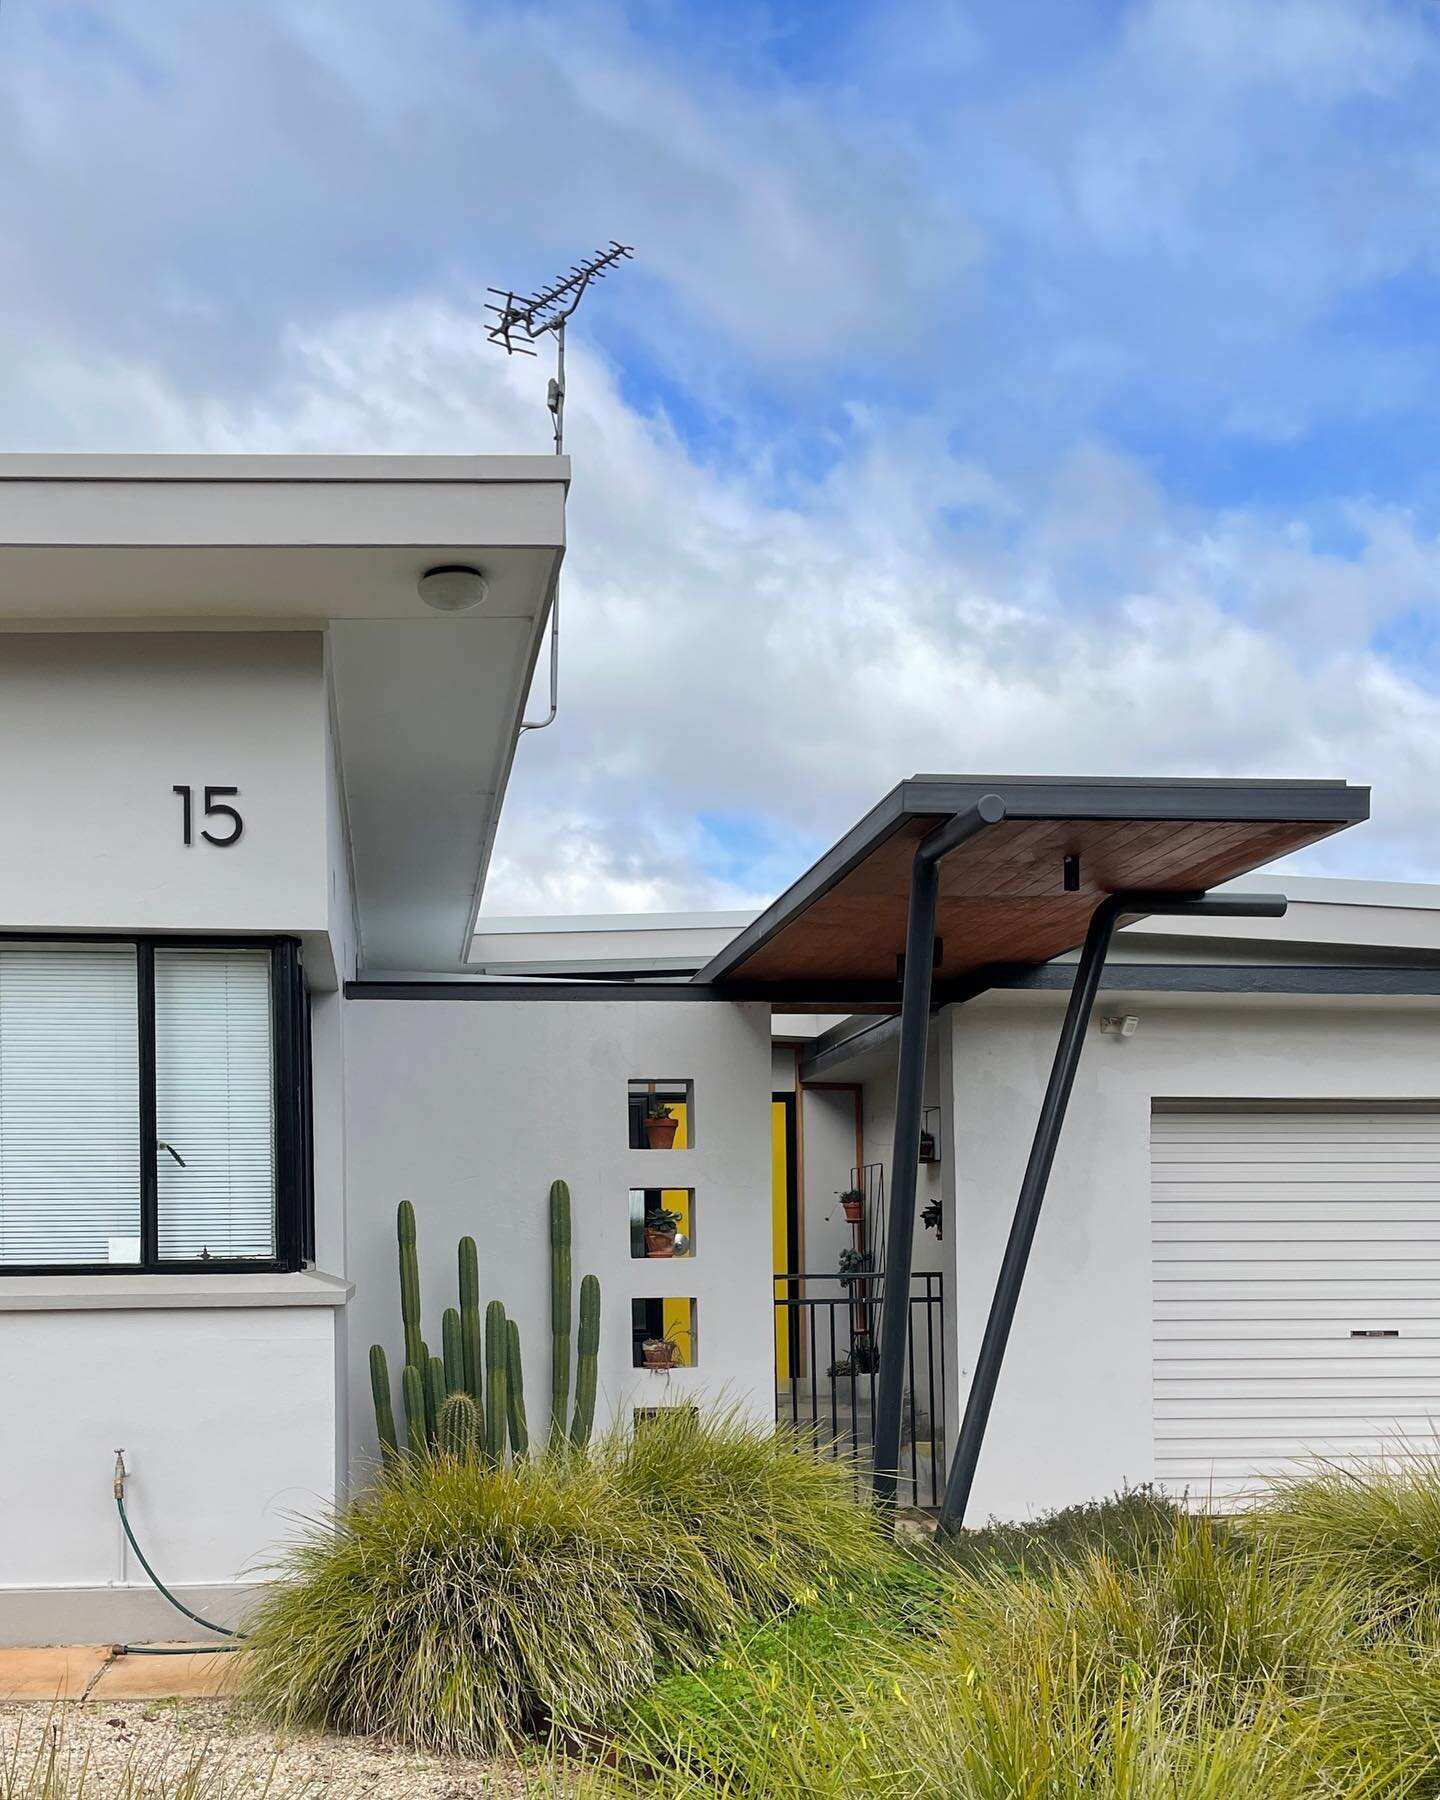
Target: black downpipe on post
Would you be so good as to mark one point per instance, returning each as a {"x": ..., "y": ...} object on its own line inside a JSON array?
[
  {"x": 909, "y": 1097},
  {"x": 1083, "y": 993}
]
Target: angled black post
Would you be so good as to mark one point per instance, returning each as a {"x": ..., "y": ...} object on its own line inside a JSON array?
[
  {"x": 909, "y": 1099},
  {"x": 1042, "y": 1155}
]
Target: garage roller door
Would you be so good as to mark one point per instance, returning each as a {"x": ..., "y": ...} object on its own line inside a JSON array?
[{"x": 1296, "y": 1268}]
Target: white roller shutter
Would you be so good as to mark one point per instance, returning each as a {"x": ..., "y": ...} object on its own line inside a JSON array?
[{"x": 1296, "y": 1269}]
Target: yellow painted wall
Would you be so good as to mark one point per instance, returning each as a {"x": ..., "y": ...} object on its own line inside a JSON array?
[
  {"x": 676, "y": 1313},
  {"x": 780, "y": 1230}
]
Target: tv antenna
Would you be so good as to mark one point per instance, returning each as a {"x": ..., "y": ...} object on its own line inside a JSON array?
[{"x": 523, "y": 319}]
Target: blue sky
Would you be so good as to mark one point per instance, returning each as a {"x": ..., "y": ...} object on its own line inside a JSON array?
[{"x": 1047, "y": 385}]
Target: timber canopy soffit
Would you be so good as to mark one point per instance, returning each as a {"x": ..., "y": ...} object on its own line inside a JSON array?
[{"x": 1023, "y": 890}]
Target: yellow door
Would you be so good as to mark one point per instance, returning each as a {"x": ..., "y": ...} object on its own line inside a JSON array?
[{"x": 780, "y": 1229}]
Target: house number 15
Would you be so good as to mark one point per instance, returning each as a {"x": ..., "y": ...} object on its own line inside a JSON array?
[{"x": 214, "y": 809}]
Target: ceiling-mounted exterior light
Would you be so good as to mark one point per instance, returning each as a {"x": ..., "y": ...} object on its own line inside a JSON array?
[{"x": 453, "y": 588}]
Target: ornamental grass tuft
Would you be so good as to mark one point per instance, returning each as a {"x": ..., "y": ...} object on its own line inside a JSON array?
[
  {"x": 779, "y": 1524},
  {"x": 1375, "y": 1529},
  {"x": 463, "y": 1608}
]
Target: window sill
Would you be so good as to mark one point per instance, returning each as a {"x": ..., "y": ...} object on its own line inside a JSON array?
[{"x": 163, "y": 1293}]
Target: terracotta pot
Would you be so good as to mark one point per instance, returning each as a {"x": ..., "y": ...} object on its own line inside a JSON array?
[
  {"x": 659, "y": 1353},
  {"x": 659, "y": 1243},
  {"x": 661, "y": 1132},
  {"x": 854, "y": 1210}
]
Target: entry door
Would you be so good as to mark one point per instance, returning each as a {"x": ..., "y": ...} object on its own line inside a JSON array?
[{"x": 1296, "y": 1282}]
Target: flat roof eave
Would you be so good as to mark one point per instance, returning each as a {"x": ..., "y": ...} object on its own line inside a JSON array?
[{"x": 855, "y": 891}]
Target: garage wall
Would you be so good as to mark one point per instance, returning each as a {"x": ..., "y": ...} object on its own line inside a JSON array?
[
  {"x": 1073, "y": 1413},
  {"x": 471, "y": 1109}
]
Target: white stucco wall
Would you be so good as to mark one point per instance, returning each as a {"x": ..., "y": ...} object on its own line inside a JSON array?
[
  {"x": 471, "y": 1108},
  {"x": 1072, "y": 1413},
  {"x": 227, "y": 1420},
  {"x": 104, "y": 725}
]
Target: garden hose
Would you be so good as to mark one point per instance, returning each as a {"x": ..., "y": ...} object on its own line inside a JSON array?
[{"x": 179, "y": 1605}]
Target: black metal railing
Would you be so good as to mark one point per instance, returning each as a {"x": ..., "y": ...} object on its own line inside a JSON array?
[{"x": 827, "y": 1334}]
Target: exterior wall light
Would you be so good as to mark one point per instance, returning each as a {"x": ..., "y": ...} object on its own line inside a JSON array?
[
  {"x": 453, "y": 588},
  {"x": 1118, "y": 1025}
]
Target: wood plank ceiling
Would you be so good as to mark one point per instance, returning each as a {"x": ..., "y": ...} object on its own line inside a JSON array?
[{"x": 1002, "y": 895}]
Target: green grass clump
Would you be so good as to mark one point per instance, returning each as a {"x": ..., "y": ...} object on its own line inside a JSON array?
[
  {"x": 460, "y": 1607},
  {"x": 53, "y": 1761},
  {"x": 1374, "y": 1530},
  {"x": 1203, "y": 1668},
  {"x": 779, "y": 1525},
  {"x": 767, "y": 1674},
  {"x": 1205, "y": 1615},
  {"x": 1129, "y": 1528}
]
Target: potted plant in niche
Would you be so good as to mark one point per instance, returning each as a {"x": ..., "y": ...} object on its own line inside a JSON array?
[
  {"x": 660, "y": 1123},
  {"x": 660, "y": 1227},
  {"x": 852, "y": 1204},
  {"x": 660, "y": 1353}
]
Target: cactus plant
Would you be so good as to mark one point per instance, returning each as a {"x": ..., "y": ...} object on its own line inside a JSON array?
[
  {"x": 430, "y": 1400},
  {"x": 384, "y": 1404},
  {"x": 456, "y": 1432},
  {"x": 434, "y": 1396},
  {"x": 481, "y": 1362},
  {"x": 560, "y": 1277},
  {"x": 497, "y": 1381},
  {"x": 409, "y": 1282},
  {"x": 470, "y": 1327},
  {"x": 417, "y": 1433},
  {"x": 454, "y": 1354},
  {"x": 515, "y": 1393},
  {"x": 587, "y": 1360}
]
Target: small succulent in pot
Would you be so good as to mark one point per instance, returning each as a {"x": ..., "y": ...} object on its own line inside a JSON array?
[
  {"x": 854, "y": 1265},
  {"x": 660, "y": 1123},
  {"x": 660, "y": 1353},
  {"x": 661, "y": 1226},
  {"x": 852, "y": 1204}
]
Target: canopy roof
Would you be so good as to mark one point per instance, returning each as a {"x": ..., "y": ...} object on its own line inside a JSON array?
[{"x": 1004, "y": 898}]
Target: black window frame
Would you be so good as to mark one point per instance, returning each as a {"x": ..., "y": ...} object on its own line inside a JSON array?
[{"x": 293, "y": 1122}]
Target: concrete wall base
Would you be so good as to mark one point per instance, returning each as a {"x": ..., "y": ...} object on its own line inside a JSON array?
[{"x": 105, "y": 1615}]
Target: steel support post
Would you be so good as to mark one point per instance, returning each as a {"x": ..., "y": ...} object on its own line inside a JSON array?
[
  {"x": 909, "y": 1099},
  {"x": 1042, "y": 1155}
]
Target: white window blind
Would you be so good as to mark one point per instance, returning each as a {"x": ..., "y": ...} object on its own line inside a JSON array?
[
  {"x": 69, "y": 1104},
  {"x": 214, "y": 1104}
]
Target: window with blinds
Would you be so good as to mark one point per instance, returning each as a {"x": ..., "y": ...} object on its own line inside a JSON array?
[
  {"x": 69, "y": 1104},
  {"x": 154, "y": 1109},
  {"x": 214, "y": 1105}
]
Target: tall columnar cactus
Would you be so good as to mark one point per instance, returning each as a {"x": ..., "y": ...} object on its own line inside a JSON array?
[
  {"x": 497, "y": 1381},
  {"x": 454, "y": 1353},
  {"x": 434, "y": 1395},
  {"x": 515, "y": 1395},
  {"x": 384, "y": 1402},
  {"x": 587, "y": 1362},
  {"x": 409, "y": 1283},
  {"x": 430, "y": 1399},
  {"x": 417, "y": 1431},
  {"x": 560, "y": 1277},
  {"x": 456, "y": 1432},
  {"x": 482, "y": 1363},
  {"x": 470, "y": 1326}
]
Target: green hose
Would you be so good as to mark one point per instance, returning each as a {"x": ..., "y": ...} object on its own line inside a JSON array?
[{"x": 179, "y": 1605}]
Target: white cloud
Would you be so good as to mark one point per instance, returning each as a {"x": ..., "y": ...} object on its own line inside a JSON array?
[{"x": 785, "y": 665}]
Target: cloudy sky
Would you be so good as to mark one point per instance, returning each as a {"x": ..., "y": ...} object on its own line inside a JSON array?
[{"x": 1046, "y": 385}]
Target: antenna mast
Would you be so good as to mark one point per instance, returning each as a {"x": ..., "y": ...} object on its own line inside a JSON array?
[{"x": 521, "y": 321}]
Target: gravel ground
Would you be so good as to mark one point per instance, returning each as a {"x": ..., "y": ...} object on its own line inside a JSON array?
[{"x": 140, "y": 1749}]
